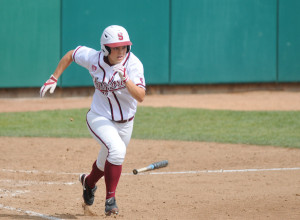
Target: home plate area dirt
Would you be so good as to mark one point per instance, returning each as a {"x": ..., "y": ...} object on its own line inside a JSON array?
[{"x": 39, "y": 176}]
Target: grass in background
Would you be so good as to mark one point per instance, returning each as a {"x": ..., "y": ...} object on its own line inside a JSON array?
[
  {"x": 57, "y": 123},
  {"x": 276, "y": 128},
  {"x": 258, "y": 127}
]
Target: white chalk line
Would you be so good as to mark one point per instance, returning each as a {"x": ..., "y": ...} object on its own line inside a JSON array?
[
  {"x": 22, "y": 183},
  {"x": 226, "y": 171},
  {"x": 161, "y": 173},
  {"x": 30, "y": 213},
  {"x": 38, "y": 172},
  {"x": 9, "y": 193},
  {"x": 27, "y": 182}
]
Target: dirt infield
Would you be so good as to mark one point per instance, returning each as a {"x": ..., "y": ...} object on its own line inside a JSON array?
[
  {"x": 39, "y": 176},
  {"x": 245, "y": 101}
]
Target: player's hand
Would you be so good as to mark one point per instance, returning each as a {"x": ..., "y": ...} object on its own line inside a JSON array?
[
  {"x": 50, "y": 84},
  {"x": 122, "y": 72}
]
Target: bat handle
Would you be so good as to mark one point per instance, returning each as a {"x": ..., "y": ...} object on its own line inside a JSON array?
[{"x": 136, "y": 171}]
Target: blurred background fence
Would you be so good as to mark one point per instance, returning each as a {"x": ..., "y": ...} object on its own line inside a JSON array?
[{"x": 180, "y": 42}]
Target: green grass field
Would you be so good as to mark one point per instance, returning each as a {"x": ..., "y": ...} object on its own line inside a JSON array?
[{"x": 276, "y": 128}]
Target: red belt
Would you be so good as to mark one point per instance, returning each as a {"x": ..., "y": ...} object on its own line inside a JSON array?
[{"x": 123, "y": 121}]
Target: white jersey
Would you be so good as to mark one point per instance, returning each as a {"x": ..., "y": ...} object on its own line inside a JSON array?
[{"x": 111, "y": 98}]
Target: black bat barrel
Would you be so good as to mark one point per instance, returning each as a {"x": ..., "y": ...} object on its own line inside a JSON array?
[{"x": 160, "y": 164}]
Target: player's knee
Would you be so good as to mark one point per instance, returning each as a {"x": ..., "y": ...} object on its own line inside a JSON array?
[
  {"x": 100, "y": 164},
  {"x": 117, "y": 156}
]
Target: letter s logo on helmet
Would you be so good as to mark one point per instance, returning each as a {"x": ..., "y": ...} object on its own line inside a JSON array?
[
  {"x": 114, "y": 36},
  {"x": 120, "y": 35}
]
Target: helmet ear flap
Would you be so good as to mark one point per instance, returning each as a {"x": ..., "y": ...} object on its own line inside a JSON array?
[{"x": 108, "y": 49}]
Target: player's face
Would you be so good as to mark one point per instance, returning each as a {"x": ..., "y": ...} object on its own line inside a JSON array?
[{"x": 117, "y": 54}]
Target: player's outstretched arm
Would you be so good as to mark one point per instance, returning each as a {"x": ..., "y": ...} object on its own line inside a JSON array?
[
  {"x": 52, "y": 81},
  {"x": 63, "y": 64}
]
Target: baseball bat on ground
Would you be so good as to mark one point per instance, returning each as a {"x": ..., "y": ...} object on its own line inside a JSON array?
[{"x": 152, "y": 166}]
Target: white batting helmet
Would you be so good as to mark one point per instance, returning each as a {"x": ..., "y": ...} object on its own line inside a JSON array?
[{"x": 114, "y": 36}]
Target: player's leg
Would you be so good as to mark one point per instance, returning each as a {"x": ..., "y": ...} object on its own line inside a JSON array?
[
  {"x": 89, "y": 181},
  {"x": 95, "y": 175},
  {"x": 98, "y": 166},
  {"x": 116, "y": 156},
  {"x": 125, "y": 131},
  {"x": 113, "y": 171},
  {"x": 111, "y": 155},
  {"x": 98, "y": 127},
  {"x": 112, "y": 158}
]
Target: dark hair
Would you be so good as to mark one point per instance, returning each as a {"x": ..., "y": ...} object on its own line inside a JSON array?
[{"x": 109, "y": 50}]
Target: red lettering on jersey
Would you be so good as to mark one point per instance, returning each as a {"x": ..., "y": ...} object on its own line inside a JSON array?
[
  {"x": 120, "y": 35},
  {"x": 142, "y": 81},
  {"x": 94, "y": 68}
]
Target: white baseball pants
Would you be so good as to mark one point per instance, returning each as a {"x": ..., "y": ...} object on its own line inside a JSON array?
[{"x": 112, "y": 136}]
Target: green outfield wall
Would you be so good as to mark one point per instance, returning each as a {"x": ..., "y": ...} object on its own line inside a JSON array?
[
  {"x": 146, "y": 21},
  {"x": 178, "y": 41},
  {"x": 223, "y": 41},
  {"x": 289, "y": 41},
  {"x": 29, "y": 41}
]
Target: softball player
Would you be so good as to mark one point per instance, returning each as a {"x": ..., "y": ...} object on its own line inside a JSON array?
[{"x": 118, "y": 77}]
